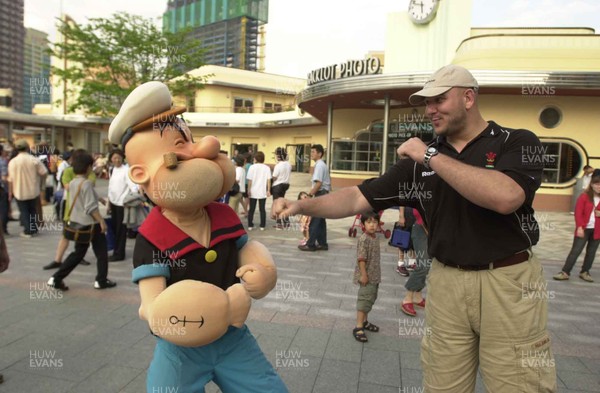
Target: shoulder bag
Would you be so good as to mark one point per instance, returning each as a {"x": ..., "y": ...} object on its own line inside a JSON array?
[{"x": 74, "y": 231}]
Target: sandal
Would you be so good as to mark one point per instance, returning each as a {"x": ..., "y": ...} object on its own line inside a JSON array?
[
  {"x": 359, "y": 335},
  {"x": 408, "y": 309},
  {"x": 420, "y": 304},
  {"x": 370, "y": 327}
]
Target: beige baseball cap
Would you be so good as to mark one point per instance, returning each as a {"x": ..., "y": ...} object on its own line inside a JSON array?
[
  {"x": 147, "y": 104},
  {"x": 443, "y": 80},
  {"x": 21, "y": 144}
]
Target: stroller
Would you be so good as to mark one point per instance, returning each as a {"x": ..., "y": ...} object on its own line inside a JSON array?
[{"x": 357, "y": 224}]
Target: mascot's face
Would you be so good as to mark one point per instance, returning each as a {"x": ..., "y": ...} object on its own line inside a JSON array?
[{"x": 175, "y": 172}]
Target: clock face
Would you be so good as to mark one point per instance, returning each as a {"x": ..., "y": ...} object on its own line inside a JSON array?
[{"x": 422, "y": 11}]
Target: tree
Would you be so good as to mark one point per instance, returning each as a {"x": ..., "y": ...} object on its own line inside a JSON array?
[{"x": 107, "y": 58}]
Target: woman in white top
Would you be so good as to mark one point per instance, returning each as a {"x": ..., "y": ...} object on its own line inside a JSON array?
[
  {"x": 240, "y": 179},
  {"x": 119, "y": 186},
  {"x": 281, "y": 183},
  {"x": 259, "y": 184}
]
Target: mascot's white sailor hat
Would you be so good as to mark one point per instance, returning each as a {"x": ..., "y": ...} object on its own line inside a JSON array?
[{"x": 148, "y": 104}]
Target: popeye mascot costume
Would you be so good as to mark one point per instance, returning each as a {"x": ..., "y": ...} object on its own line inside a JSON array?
[{"x": 196, "y": 269}]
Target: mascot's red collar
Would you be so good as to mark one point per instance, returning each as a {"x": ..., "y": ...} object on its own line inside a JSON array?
[{"x": 164, "y": 235}]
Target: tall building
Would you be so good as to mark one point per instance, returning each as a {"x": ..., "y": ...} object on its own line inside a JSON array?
[
  {"x": 12, "y": 35},
  {"x": 36, "y": 70},
  {"x": 230, "y": 30}
]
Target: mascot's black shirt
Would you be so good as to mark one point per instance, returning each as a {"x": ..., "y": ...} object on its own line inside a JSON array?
[{"x": 162, "y": 249}]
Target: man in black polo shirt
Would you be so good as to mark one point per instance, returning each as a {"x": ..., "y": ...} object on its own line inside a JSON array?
[{"x": 474, "y": 185}]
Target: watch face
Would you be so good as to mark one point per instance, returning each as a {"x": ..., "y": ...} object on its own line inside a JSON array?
[
  {"x": 422, "y": 11},
  {"x": 431, "y": 150}
]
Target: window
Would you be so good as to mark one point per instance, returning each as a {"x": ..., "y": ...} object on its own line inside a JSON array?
[
  {"x": 93, "y": 142},
  {"x": 6, "y": 101},
  {"x": 550, "y": 117},
  {"x": 562, "y": 161},
  {"x": 271, "y": 107},
  {"x": 363, "y": 152},
  {"x": 242, "y": 105}
]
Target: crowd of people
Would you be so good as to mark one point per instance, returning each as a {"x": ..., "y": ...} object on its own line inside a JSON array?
[{"x": 34, "y": 176}]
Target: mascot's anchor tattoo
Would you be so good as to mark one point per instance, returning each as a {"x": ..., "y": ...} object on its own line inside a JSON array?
[{"x": 175, "y": 320}]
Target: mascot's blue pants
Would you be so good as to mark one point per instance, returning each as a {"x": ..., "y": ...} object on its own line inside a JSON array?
[{"x": 234, "y": 362}]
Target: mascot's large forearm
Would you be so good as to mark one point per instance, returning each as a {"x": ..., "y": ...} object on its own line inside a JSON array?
[
  {"x": 257, "y": 269},
  {"x": 192, "y": 313}
]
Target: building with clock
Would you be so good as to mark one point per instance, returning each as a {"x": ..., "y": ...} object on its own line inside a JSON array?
[{"x": 546, "y": 80}]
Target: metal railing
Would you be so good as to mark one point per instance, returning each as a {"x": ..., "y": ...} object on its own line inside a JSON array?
[{"x": 230, "y": 109}]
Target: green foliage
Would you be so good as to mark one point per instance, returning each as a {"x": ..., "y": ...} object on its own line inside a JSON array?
[{"x": 109, "y": 57}]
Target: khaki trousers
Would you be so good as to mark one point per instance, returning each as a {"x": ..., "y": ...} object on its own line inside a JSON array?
[{"x": 494, "y": 319}]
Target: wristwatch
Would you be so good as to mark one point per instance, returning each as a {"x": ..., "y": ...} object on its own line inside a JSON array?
[{"x": 429, "y": 153}]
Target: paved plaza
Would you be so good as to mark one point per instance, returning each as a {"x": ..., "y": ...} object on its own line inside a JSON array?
[{"x": 86, "y": 340}]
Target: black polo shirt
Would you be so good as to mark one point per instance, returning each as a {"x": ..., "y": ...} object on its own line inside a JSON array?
[
  {"x": 162, "y": 249},
  {"x": 461, "y": 232}
]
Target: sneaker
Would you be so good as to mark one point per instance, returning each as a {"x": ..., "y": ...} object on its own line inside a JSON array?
[
  {"x": 105, "y": 284},
  {"x": 412, "y": 265},
  {"x": 262, "y": 228},
  {"x": 306, "y": 247},
  {"x": 401, "y": 270},
  {"x": 26, "y": 235},
  {"x": 585, "y": 276},
  {"x": 562, "y": 276},
  {"x": 52, "y": 265},
  {"x": 250, "y": 228},
  {"x": 57, "y": 284}
]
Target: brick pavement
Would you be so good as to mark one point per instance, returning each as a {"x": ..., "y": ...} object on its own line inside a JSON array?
[{"x": 87, "y": 340}]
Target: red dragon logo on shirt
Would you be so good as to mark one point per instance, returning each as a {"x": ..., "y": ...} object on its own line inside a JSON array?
[{"x": 490, "y": 157}]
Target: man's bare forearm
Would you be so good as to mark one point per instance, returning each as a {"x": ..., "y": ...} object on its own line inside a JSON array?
[{"x": 343, "y": 203}]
